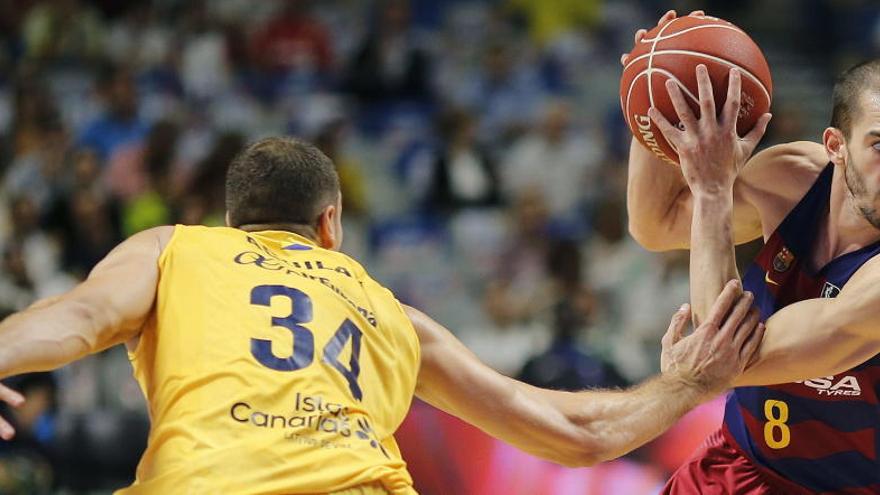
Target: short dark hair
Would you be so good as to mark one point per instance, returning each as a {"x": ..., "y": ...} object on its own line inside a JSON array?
[
  {"x": 280, "y": 180},
  {"x": 848, "y": 90}
]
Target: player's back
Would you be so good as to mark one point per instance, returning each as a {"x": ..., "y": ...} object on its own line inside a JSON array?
[{"x": 271, "y": 366}]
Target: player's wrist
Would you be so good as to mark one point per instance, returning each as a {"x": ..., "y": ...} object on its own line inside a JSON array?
[
  {"x": 690, "y": 382},
  {"x": 716, "y": 194}
]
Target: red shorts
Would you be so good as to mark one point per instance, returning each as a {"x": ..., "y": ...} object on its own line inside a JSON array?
[{"x": 719, "y": 468}]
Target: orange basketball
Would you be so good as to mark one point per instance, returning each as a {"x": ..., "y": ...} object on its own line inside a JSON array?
[{"x": 673, "y": 51}]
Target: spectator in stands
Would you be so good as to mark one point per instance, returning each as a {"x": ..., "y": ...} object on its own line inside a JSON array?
[
  {"x": 33, "y": 108},
  {"x": 91, "y": 233},
  {"x": 293, "y": 41},
  {"x": 390, "y": 63},
  {"x": 522, "y": 289},
  {"x": 202, "y": 202},
  {"x": 127, "y": 172},
  {"x": 556, "y": 161},
  {"x": 139, "y": 38},
  {"x": 351, "y": 180},
  {"x": 11, "y": 19},
  {"x": 119, "y": 124},
  {"x": 63, "y": 31},
  {"x": 40, "y": 250},
  {"x": 152, "y": 205},
  {"x": 506, "y": 94},
  {"x": 565, "y": 365},
  {"x": 17, "y": 290},
  {"x": 36, "y": 173},
  {"x": 464, "y": 175},
  {"x": 548, "y": 20},
  {"x": 28, "y": 463},
  {"x": 205, "y": 68}
]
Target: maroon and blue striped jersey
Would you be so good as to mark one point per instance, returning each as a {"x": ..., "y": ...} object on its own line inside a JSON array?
[{"x": 823, "y": 433}]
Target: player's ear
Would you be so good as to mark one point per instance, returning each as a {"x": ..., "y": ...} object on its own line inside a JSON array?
[
  {"x": 326, "y": 230},
  {"x": 835, "y": 145}
]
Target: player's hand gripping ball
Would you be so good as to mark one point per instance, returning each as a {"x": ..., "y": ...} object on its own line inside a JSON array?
[{"x": 672, "y": 50}]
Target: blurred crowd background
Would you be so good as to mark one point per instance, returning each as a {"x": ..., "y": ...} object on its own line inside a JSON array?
[{"x": 480, "y": 145}]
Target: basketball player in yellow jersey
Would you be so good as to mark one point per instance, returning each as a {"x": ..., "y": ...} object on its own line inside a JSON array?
[{"x": 273, "y": 364}]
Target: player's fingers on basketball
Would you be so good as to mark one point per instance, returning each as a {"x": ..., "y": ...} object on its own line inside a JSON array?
[
  {"x": 746, "y": 328},
  {"x": 737, "y": 315},
  {"x": 729, "y": 295},
  {"x": 639, "y": 35},
  {"x": 707, "y": 99},
  {"x": 669, "y": 131},
  {"x": 6, "y": 430},
  {"x": 731, "y": 105},
  {"x": 749, "y": 352},
  {"x": 677, "y": 325},
  {"x": 10, "y": 396},
  {"x": 757, "y": 132},
  {"x": 667, "y": 18},
  {"x": 682, "y": 109},
  {"x": 697, "y": 13}
]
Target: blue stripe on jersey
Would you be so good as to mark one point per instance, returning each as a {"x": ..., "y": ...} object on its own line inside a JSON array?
[{"x": 831, "y": 473}]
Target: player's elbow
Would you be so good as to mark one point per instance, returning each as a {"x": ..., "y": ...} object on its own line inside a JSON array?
[
  {"x": 573, "y": 456},
  {"x": 585, "y": 459},
  {"x": 85, "y": 321},
  {"x": 91, "y": 326},
  {"x": 585, "y": 455},
  {"x": 585, "y": 448}
]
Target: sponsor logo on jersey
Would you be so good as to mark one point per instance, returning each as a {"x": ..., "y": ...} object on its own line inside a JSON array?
[
  {"x": 831, "y": 386},
  {"x": 312, "y": 421},
  {"x": 783, "y": 260},
  {"x": 829, "y": 290}
]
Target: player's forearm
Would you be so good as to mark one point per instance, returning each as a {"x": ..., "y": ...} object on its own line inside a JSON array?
[
  {"x": 49, "y": 335},
  {"x": 578, "y": 429},
  {"x": 805, "y": 340},
  {"x": 656, "y": 200},
  {"x": 713, "y": 258},
  {"x": 614, "y": 423}
]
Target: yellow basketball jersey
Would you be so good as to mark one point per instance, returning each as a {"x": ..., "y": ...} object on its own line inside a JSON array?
[{"x": 270, "y": 366}]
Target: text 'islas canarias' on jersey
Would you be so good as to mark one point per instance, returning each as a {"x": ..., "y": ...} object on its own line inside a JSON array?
[{"x": 312, "y": 420}]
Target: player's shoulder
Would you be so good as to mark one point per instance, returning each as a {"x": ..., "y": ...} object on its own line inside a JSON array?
[
  {"x": 802, "y": 158},
  {"x": 154, "y": 237},
  {"x": 784, "y": 171}
]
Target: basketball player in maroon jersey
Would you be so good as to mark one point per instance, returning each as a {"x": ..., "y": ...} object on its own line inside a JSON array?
[{"x": 816, "y": 281}]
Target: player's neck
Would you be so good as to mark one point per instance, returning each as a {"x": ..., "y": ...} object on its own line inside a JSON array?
[
  {"x": 306, "y": 231},
  {"x": 845, "y": 229}
]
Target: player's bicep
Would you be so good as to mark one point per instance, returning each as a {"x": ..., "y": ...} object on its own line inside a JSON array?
[{"x": 856, "y": 310}]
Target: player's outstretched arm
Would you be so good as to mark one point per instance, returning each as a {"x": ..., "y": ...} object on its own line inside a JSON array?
[
  {"x": 821, "y": 337},
  {"x": 108, "y": 308},
  {"x": 584, "y": 428}
]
